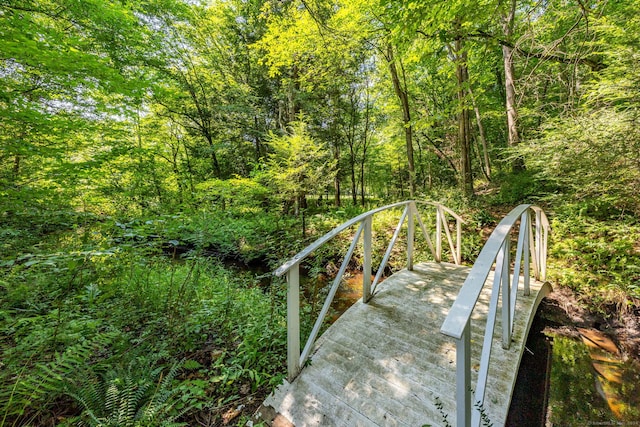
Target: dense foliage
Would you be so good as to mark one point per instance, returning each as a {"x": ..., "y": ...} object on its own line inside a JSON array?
[{"x": 159, "y": 158}]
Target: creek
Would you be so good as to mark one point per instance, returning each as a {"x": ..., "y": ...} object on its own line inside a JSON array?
[{"x": 574, "y": 377}]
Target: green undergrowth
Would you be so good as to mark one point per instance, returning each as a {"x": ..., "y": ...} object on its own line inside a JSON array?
[
  {"x": 594, "y": 247},
  {"x": 158, "y": 320},
  {"x": 119, "y": 336},
  {"x": 597, "y": 255},
  {"x": 243, "y": 237},
  {"x": 176, "y": 320}
]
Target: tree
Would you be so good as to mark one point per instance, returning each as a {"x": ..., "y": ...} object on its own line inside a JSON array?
[
  {"x": 508, "y": 18},
  {"x": 464, "y": 126},
  {"x": 588, "y": 145},
  {"x": 71, "y": 74},
  {"x": 208, "y": 86},
  {"x": 314, "y": 51},
  {"x": 298, "y": 166},
  {"x": 451, "y": 27},
  {"x": 399, "y": 81}
]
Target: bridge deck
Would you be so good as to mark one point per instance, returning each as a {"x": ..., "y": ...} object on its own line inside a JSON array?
[{"x": 386, "y": 363}]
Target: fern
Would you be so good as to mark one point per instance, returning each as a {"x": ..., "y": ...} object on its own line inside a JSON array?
[
  {"x": 127, "y": 399},
  {"x": 44, "y": 382}
]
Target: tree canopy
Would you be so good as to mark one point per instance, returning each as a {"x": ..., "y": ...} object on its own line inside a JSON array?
[{"x": 98, "y": 95}]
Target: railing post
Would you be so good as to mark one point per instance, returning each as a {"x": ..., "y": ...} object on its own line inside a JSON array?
[
  {"x": 463, "y": 377},
  {"x": 506, "y": 294},
  {"x": 439, "y": 214},
  {"x": 411, "y": 231},
  {"x": 543, "y": 252},
  {"x": 532, "y": 251},
  {"x": 526, "y": 223},
  {"x": 293, "y": 321},
  {"x": 458, "y": 242},
  {"x": 366, "y": 268},
  {"x": 538, "y": 243}
]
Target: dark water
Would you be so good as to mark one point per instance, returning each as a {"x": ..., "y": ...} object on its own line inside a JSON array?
[
  {"x": 350, "y": 291},
  {"x": 530, "y": 396},
  {"x": 314, "y": 291},
  {"x": 574, "y": 381}
]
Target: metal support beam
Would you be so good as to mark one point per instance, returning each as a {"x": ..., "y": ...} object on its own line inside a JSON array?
[
  {"x": 366, "y": 268},
  {"x": 293, "y": 321},
  {"x": 463, "y": 378},
  {"x": 411, "y": 231}
]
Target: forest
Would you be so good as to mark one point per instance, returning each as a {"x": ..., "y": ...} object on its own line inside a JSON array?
[{"x": 160, "y": 158}]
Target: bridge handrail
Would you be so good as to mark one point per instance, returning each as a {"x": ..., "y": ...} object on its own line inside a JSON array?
[
  {"x": 457, "y": 324},
  {"x": 300, "y": 256},
  {"x": 296, "y": 359}
]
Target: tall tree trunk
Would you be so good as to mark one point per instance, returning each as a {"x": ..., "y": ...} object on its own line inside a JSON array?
[
  {"x": 365, "y": 141},
  {"x": 214, "y": 159},
  {"x": 336, "y": 178},
  {"x": 351, "y": 142},
  {"x": 352, "y": 170},
  {"x": 175, "y": 151},
  {"x": 16, "y": 167},
  {"x": 464, "y": 128},
  {"x": 362, "y": 186},
  {"x": 482, "y": 137},
  {"x": 513, "y": 138},
  {"x": 400, "y": 89}
]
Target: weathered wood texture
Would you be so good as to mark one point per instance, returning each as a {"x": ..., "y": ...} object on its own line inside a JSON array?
[{"x": 386, "y": 363}]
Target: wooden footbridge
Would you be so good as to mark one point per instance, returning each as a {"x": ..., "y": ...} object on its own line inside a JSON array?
[{"x": 436, "y": 343}]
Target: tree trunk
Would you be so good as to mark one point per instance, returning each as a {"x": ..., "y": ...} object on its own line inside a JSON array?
[
  {"x": 482, "y": 137},
  {"x": 510, "y": 92},
  {"x": 365, "y": 141},
  {"x": 292, "y": 95},
  {"x": 400, "y": 89},
  {"x": 513, "y": 138},
  {"x": 214, "y": 158},
  {"x": 175, "y": 151},
  {"x": 464, "y": 130},
  {"x": 336, "y": 178},
  {"x": 352, "y": 164},
  {"x": 16, "y": 167},
  {"x": 351, "y": 142},
  {"x": 362, "y": 194}
]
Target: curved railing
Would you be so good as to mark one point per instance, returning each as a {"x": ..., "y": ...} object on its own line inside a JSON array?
[
  {"x": 532, "y": 229},
  {"x": 291, "y": 268}
]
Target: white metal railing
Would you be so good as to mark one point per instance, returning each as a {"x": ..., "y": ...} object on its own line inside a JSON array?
[
  {"x": 291, "y": 268},
  {"x": 532, "y": 246}
]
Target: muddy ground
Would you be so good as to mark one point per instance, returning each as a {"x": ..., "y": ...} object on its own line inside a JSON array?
[{"x": 565, "y": 313}]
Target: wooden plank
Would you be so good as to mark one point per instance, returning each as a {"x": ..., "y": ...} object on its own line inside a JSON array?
[{"x": 386, "y": 363}]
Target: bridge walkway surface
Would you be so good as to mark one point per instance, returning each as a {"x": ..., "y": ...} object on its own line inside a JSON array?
[{"x": 386, "y": 362}]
